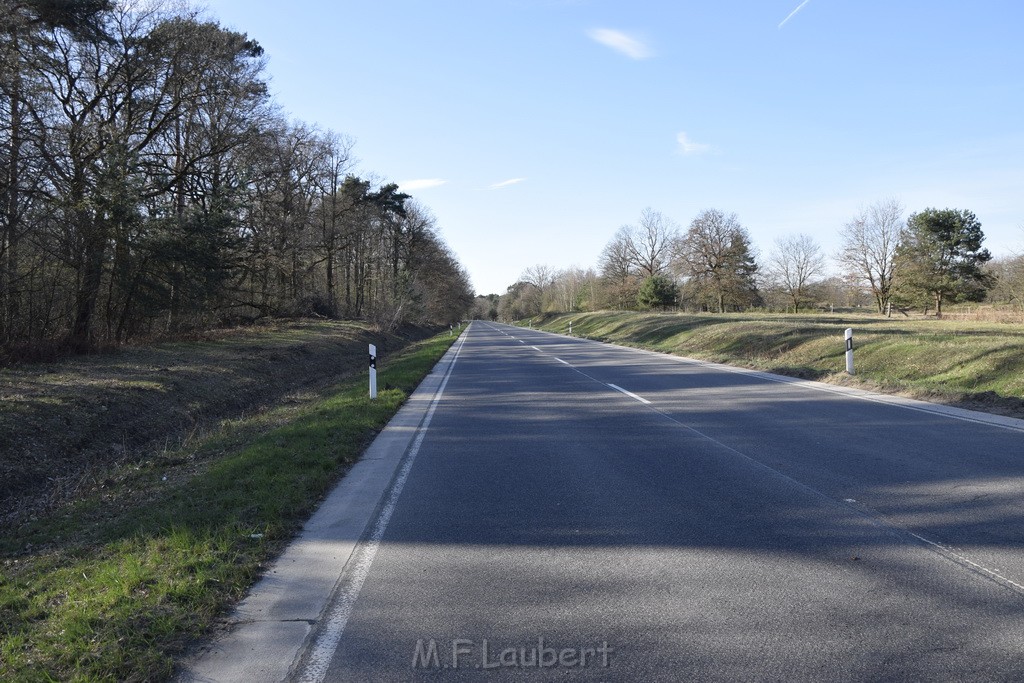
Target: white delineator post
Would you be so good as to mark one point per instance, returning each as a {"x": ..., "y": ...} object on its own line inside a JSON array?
[
  {"x": 373, "y": 371},
  {"x": 849, "y": 350},
  {"x": 570, "y": 328}
]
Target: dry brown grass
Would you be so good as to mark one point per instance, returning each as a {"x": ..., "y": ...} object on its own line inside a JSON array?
[{"x": 1008, "y": 316}]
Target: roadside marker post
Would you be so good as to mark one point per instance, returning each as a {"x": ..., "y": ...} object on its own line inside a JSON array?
[
  {"x": 373, "y": 371},
  {"x": 849, "y": 350}
]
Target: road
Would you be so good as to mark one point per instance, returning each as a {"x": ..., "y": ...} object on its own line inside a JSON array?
[{"x": 573, "y": 510}]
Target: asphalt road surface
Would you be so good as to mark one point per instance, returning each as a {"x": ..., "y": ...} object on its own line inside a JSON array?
[{"x": 578, "y": 511}]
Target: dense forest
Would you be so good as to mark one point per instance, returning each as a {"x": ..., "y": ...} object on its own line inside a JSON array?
[{"x": 150, "y": 185}]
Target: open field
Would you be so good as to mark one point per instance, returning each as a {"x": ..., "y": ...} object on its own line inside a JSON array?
[
  {"x": 111, "y": 582},
  {"x": 975, "y": 365}
]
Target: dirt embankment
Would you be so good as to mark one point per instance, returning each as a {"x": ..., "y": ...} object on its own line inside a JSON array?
[{"x": 64, "y": 425}]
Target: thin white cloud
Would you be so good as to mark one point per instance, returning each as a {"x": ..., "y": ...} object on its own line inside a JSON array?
[
  {"x": 420, "y": 184},
  {"x": 793, "y": 13},
  {"x": 506, "y": 183},
  {"x": 621, "y": 42},
  {"x": 688, "y": 147}
]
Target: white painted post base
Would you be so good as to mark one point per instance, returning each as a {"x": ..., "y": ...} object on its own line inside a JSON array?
[
  {"x": 849, "y": 350},
  {"x": 373, "y": 371}
]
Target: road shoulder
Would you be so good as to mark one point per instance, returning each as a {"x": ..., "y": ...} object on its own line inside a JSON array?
[{"x": 265, "y": 634}]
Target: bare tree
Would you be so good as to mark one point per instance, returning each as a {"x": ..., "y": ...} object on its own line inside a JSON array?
[
  {"x": 20, "y": 178},
  {"x": 541, "y": 277},
  {"x": 148, "y": 183},
  {"x": 649, "y": 244},
  {"x": 635, "y": 253},
  {"x": 336, "y": 161},
  {"x": 1008, "y": 276},
  {"x": 838, "y": 291},
  {"x": 518, "y": 302},
  {"x": 441, "y": 288},
  {"x": 716, "y": 259},
  {"x": 868, "y": 252},
  {"x": 568, "y": 288},
  {"x": 795, "y": 262},
  {"x": 618, "y": 274}
]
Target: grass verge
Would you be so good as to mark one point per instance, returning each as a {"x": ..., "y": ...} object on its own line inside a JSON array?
[
  {"x": 112, "y": 587},
  {"x": 64, "y": 424},
  {"x": 972, "y": 364}
]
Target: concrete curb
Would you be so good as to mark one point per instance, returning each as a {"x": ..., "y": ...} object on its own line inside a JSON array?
[{"x": 268, "y": 630}]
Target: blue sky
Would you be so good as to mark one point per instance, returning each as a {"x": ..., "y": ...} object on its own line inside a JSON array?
[{"x": 534, "y": 129}]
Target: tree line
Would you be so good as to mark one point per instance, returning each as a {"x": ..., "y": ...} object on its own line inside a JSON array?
[
  {"x": 149, "y": 184},
  {"x": 930, "y": 258}
]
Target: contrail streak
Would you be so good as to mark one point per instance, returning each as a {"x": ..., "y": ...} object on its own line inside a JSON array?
[{"x": 793, "y": 13}]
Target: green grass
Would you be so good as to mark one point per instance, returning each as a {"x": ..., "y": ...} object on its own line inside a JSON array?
[
  {"x": 946, "y": 360},
  {"x": 116, "y": 585}
]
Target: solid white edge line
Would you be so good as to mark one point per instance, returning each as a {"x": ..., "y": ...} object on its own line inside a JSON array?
[
  {"x": 951, "y": 412},
  {"x": 990, "y": 573},
  {"x": 315, "y": 668},
  {"x": 871, "y": 515},
  {"x": 630, "y": 394}
]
